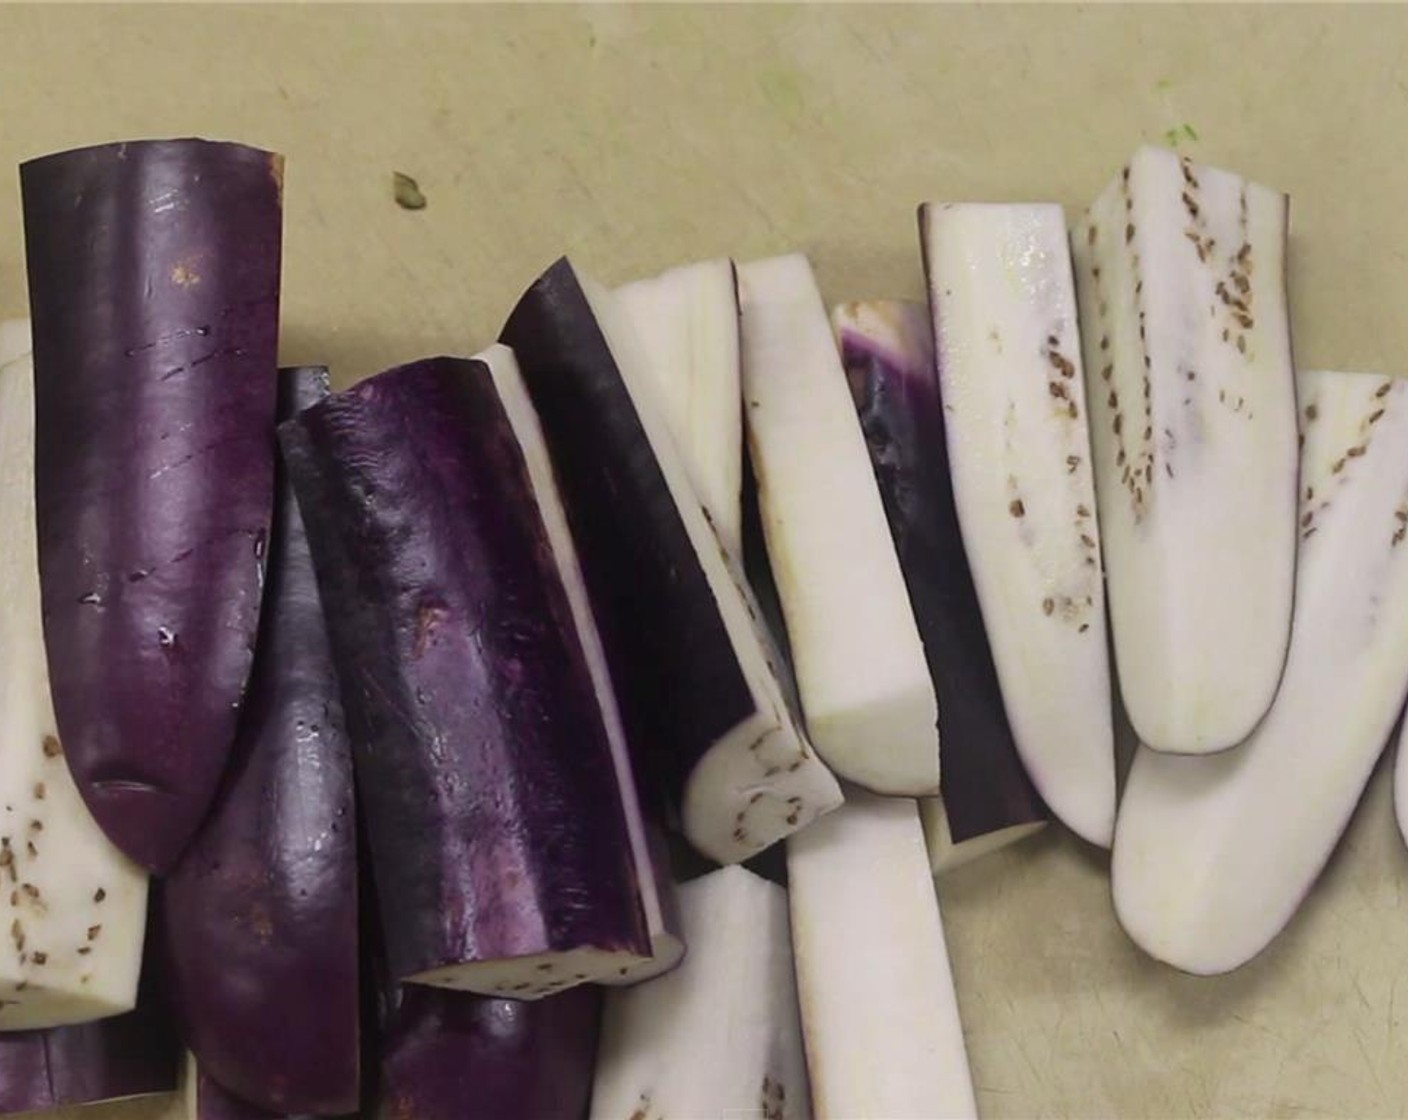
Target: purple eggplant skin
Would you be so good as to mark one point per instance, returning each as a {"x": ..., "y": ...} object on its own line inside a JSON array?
[
  {"x": 456, "y": 1056},
  {"x": 666, "y": 645},
  {"x": 260, "y": 914},
  {"x": 154, "y": 292},
  {"x": 984, "y": 785},
  {"x": 485, "y": 777},
  {"x": 132, "y": 1055}
]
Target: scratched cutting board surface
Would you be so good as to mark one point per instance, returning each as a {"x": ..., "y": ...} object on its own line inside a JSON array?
[{"x": 641, "y": 137}]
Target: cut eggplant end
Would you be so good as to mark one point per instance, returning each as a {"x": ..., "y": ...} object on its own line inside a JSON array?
[
  {"x": 769, "y": 785},
  {"x": 534, "y": 976},
  {"x": 667, "y": 950},
  {"x": 853, "y": 734},
  {"x": 945, "y": 853},
  {"x": 1214, "y": 855},
  {"x": 1181, "y": 276},
  {"x": 1008, "y": 355},
  {"x": 861, "y": 673}
]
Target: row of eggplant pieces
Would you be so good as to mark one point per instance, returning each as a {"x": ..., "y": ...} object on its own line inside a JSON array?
[{"x": 548, "y": 648}]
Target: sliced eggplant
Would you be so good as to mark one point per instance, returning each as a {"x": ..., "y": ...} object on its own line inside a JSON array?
[
  {"x": 1213, "y": 855},
  {"x": 987, "y": 800},
  {"x": 1182, "y": 276},
  {"x": 697, "y": 671},
  {"x": 73, "y": 909},
  {"x": 494, "y": 810},
  {"x": 686, "y": 321},
  {"x": 261, "y": 912},
  {"x": 455, "y": 1056},
  {"x": 154, "y": 289},
  {"x": 644, "y": 810},
  {"x": 879, "y": 1011},
  {"x": 1014, "y": 406},
  {"x": 864, "y": 685},
  {"x": 132, "y": 1055},
  {"x": 720, "y": 1036}
]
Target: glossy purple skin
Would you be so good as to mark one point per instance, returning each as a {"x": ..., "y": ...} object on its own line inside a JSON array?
[
  {"x": 455, "y": 1056},
  {"x": 983, "y": 785},
  {"x": 680, "y": 682},
  {"x": 154, "y": 293},
  {"x": 129, "y": 1056},
  {"x": 260, "y": 914},
  {"x": 485, "y": 778}
]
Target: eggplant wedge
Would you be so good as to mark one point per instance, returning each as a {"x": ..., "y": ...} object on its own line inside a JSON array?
[
  {"x": 698, "y": 673},
  {"x": 154, "y": 291},
  {"x": 260, "y": 914},
  {"x": 501, "y": 852},
  {"x": 1181, "y": 272}
]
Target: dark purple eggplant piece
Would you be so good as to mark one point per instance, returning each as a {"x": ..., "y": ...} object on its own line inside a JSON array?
[
  {"x": 455, "y": 1056},
  {"x": 154, "y": 291},
  {"x": 499, "y": 843},
  {"x": 696, "y": 672},
  {"x": 132, "y": 1055},
  {"x": 887, "y": 349},
  {"x": 261, "y": 912}
]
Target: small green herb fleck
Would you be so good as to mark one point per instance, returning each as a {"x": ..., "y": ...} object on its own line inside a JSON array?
[
  {"x": 407, "y": 191},
  {"x": 1190, "y": 132}
]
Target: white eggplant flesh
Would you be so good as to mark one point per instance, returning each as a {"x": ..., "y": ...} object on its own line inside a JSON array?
[
  {"x": 1214, "y": 854},
  {"x": 1008, "y": 355},
  {"x": 720, "y": 1036},
  {"x": 861, "y": 674},
  {"x": 652, "y": 873},
  {"x": 686, "y": 320},
  {"x": 1181, "y": 275},
  {"x": 879, "y": 1012},
  {"x": 72, "y": 907}
]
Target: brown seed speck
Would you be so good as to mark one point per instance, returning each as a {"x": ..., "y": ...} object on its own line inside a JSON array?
[
  {"x": 1355, "y": 452},
  {"x": 1382, "y": 390},
  {"x": 1056, "y": 389},
  {"x": 31, "y": 849},
  {"x": 85, "y": 950},
  {"x": 1128, "y": 233},
  {"x": 1082, "y": 510},
  {"x": 1311, "y": 411},
  {"x": 1148, "y": 472},
  {"x": 1119, "y": 422},
  {"x": 40, "y": 958},
  {"x": 1107, "y": 372},
  {"x": 1241, "y": 344},
  {"x": 1113, "y": 400},
  {"x": 1104, "y": 342},
  {"x": 1119, "y": 457},
  {"x": 1087, "y": 540},
  {"x": 1084, "y": 626},
  {"x": 1339, "y": 466},
  {"x": 1090, "y": 235},
  {"x": 1307, "y": 519},
  {"x": 99, "y": 895},
  {"x": 52, "y": 749},
  {"x": 39, "y": 791},
  {"x": 1072, "y": 462},
  {"x": 1047, "y": 606},
  {"x": 1072, "y": 411},
  {"x": 93, "y": 932},
  {"x": 1168, "y": 468},
  {"x": 1017, "y": 509},
  {"x": 1376, "y": 416}
]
